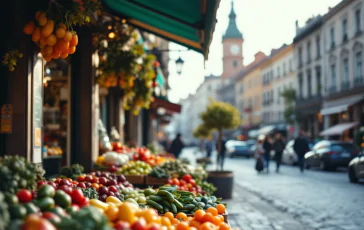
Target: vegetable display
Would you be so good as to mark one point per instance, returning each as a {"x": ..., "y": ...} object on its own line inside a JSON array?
[{"x": 135, "y": 168}]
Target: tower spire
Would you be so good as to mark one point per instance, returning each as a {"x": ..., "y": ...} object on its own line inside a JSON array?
[{"x": 232, "y": 30}]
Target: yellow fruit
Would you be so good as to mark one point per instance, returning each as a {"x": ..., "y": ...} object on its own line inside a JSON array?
[
  {"x": 48, "y": 28},
  {"x": 52, "y": 40},
  {"x": 114, "y": 200},
  {"x": 149, "y": 215},
  {"x": 112, "y": 212},
  {"x": 60, "y": 32},
  {"x": 99, "y": 204},
  {"x": 127, "y": 212},
  {"x": 42, "y": 19},
  {"x": 29, "y": 28},
  {"x": 36, "y": 34}
]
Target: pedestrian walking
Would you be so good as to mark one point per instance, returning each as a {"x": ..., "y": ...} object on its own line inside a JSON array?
[
  {"x": 221, "y": 157},
  {"x": 267, "y": 146},
  {"x": 301, "y": 147},
  {"x": 259, "y": 153},
  {"x": 177, "y": 146},
  {"x": 208, "y": 148},
  {"x": 278, "y": 147}
]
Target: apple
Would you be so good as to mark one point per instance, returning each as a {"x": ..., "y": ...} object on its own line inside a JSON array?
[
  {"x": 110, "y": 193},
  {"x": 88, "y": 184},
  {"x": 121, "y": 178},
  {"x": 112, "y": 182},
  {"x": 34, "y": 221},
  {"x": 113, "y": 188},
  {"x": 121, "y": 225},
  {"x": 98, "y": 174},
  {"x": 103, "y": 190},
  {"x": 51, "y": 183},
  {"x": 103, "y": 197},
  {"x": 140, "y": 224}
]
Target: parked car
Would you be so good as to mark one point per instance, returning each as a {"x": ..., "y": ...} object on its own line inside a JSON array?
[
  {"x": 238, "y": 148},
  {"x": 330, "y": 154},
  {"x": 289, "y": 156},
  {"x": 356, "y": 168}
]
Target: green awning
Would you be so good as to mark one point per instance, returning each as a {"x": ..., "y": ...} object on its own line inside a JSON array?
[{"x": 190, "y": 23}]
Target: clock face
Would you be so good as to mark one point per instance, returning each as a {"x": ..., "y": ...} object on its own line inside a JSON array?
[{"x": 234, "y": 49}]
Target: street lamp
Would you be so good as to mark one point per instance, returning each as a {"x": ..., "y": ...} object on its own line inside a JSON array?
[{"x": 179, "y": 65}]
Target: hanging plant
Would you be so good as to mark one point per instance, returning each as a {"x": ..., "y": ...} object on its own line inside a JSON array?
[
  {"x": 52, "y": 29},
  {"x": 10, "y": 59}
]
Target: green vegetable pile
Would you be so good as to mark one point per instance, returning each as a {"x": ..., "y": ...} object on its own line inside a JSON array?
[
  {"x": 159, "y": 172},
  {"x": 88, "y": 218},
  {"x": 169, "y": 199},
  {"x": 16, "y": 173},
  {"x": 72, "y": 172},
  {"x": 90, "y": 193},
  {"x": 4, "y": 214}
]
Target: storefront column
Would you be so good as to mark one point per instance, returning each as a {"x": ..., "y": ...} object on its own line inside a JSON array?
[
  {"x": 83, "y": 107},
  {"x": 326, "y": 124}
]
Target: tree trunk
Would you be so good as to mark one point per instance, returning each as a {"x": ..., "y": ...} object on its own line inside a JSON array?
[{"x": 219, "y": 146}]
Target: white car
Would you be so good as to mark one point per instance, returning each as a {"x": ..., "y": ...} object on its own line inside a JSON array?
[{"x": 289, "y": 156}]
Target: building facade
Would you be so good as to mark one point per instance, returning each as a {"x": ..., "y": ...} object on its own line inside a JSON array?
[
  {"x": 277, "y": 75},
  {"x": 308, "y": 53},
  {"x": 344, "y": 53}
]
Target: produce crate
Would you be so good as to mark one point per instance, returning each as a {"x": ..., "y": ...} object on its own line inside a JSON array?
[
  {"x": 153, "y": 181},
  {"x": 138, "y": 180}
]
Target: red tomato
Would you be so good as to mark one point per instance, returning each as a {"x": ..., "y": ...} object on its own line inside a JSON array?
[
  {"x": 24, "y": 196},
  {"x": 193, "y": 189},
  {"x": 187, "y": 177},
  {"x": 81, "y": 185},
  {"x": 170, "y": 182},
  {"x": 175, "y": 181},
  {"x": 81, "y": 178},
  {"x": 121, "y": 225},
  {"x": 34, "y": 221},
  {"x": 41, "y": 183},
  {"x": 140, "y": 224},
  {"x": 84, "y": 202},
  {"x": 182, "y": 182},
  {"x": 58, "y": 180},
  {"x": 135, "y": 157},
  {"x": 189, "y": 185},
  {"x": 67, "y": 189},
  {"x": 77, "y": 196},
  {"x": 193, "y": 182}
]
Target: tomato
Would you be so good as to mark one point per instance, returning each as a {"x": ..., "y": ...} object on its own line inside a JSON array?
[
  {"x": 35, "y": 222},
  {"x": 51, "y": 216},
  {"x": 193, "y": 189},
  {"x": 24, "y": 196},
  {"x": 175, "y": 181},
  {"x": 77, "y": 196},
  {"x": 41, "y": 183},
  {"x": 112, "y": 188},
  {"x": 188, "y": 186},
  {"x": 112, "y": 213},
  {"x": 182, "y": 226},
  {"x": 193, "y": 182},
  {"x": 149, "y": 215},
  {"x": 85, "y": 202},
  {"x": 121, "y": 225},
  {"x": 187, "y": 177},
  {"x": 67, "y": 189},
  {"x": 60, "y": 32},
  {"x": 140, "y": 224},
  {"x": 127, "y": 212},
  {"x": 46, "y": 191},
  {"x": 68, "y": 36},
  {"x": 81, "y": 185},
  {"x": 170, "y": 182},
  {"x": 81, "y": 178},
  {"x": 182, "y": 182},
  {"x": 95, "y": 186}
]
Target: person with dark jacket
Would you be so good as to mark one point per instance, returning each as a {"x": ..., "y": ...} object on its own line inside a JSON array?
[
  {"x": 278, "y": 147},
  {"x": 301, "y": 147},
  {"x": 177, "y": 146},
  {"x": 221, "y": 156},
  {"x": 267, "y": 146}
]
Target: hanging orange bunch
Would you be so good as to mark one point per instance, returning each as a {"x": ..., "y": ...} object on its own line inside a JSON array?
[{"x": 54, "y": 41}]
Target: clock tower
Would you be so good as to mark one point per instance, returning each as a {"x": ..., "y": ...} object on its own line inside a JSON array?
[{"x": 232, "y": 42}]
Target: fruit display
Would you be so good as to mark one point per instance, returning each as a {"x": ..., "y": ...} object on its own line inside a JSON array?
[
  {"x": 169, "y": 199},
  {"x": 135, "y": 168},
  {"x": 144, "y": 154},
  {"x": 4, "y": 213},
  {"x": 186, "y": 183},
  {"x": 178, "y": 168},
  {"x": 113, "y": 158},
  {"x": 159, "y": 172},
  {"x": 53, "y": 151},
  {"x": 17, "y": 173}
]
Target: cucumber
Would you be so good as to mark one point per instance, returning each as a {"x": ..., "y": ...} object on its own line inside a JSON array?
[
  {"x": 204, "y": 199},
  {"x": 167, "y": 194},
  {"x": 198, "y": 199},
  {"x": 166, "y": 209},
  {"x": 213, "y": 199},
  {"x": 155, "y": 205},
  {"x": 178, "y": 204},
  {"x": 202, "y": 204},
  {"x": 194, "y": 202},
  {"x": 156, "y": 198},
  {"x": 188, "y": 207},
  {"x": 174, "y": 208},
  {"x": 166, "y": 203}
]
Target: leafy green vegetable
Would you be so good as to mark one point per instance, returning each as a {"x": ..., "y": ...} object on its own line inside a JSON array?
[{"x": 91, "y": 193}]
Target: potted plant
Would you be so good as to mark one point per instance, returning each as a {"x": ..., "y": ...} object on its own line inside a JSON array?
[{"x": 219, "y": 116}]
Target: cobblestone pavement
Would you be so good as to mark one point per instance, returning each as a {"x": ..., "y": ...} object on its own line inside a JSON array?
[{"x": 316, "y": 200}]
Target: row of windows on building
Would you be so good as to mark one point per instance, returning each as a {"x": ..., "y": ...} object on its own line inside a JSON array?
[
  {"x": 310, "y": 83},
  {"x": 268, "y": 77},
  {"x": 345, "y": 73},
  {"x": 268, "y": 96},
  {"x": 269, "y": 117},
  {"x": 357, "y": 31}
]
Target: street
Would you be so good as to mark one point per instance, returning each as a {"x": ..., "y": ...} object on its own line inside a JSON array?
[{"x": 291, "y": 200}]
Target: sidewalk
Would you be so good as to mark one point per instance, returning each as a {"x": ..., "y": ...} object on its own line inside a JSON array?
[{"x": 248, "y": 211}]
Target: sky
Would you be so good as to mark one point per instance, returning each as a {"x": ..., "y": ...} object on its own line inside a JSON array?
[{"x": 265, "y": 24}]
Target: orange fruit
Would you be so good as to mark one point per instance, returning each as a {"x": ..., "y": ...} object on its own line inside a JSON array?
[
  {"x": 221, "y": 218},
  {"x": 61, "y": 25},
  {"x": 74, "y": 40},
  {"x": 48, "y": 28},
  {"x": 112, "y": 212},
  {"x": 63, "y": 45},
  {"x": 208, "y": 217},
  {"x": 220, "y": 208},
  {"x": 149, "y": 215},
  {"x": 52, "y": 40},
  {"x": 64, "y": 55},
  {"x": 199, "y": 215},
  {"x": 68, "y": 36},
  {"x": 55, "y": 55},
  {"x": 217, "y": 221},
  {"x": 208, "y": 226},
  {"x": 175, "y": 221},
  {"x": 224, "y": 226},
  {"x": 195, "y": 223},
  {"x": 72, "y": 49},
  {"x": 193, "y": 228},
  {"x": 42, "y": 19},
  {"x": 169, "y": 215},
  {"x": 48, "y": 50},
  {"x": 36, "y": 34},
  {"x": 60, "y": 32},
  {"x": 47, "y": 58},
  {"x": 213, "y": 211},
  {"x": 182, "y": 226},
  {"x": 29, "y": 28},
  {"x": 165, "y": 221},
  {"x": 181, "y": 216}
]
